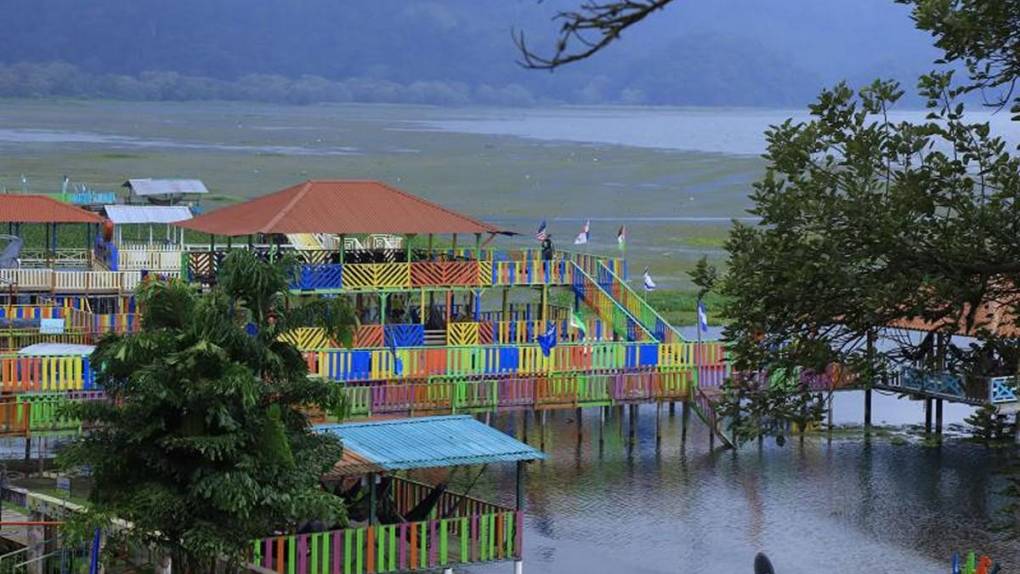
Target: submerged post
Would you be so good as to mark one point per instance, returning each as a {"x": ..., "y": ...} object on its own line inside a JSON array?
[
  {"x": 685, "y": 417},
  {"x": 938, "y": 417},
  {"x": 927, "y": 417},
  {"x": 519, "y": 559},
  {"x": 658, "y": 423},
  {"x": 869, "y": 383}
]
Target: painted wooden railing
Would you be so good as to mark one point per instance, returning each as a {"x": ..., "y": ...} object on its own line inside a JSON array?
[
  {"x": 508, "y": 392},
  {"x": 623, "y": 294},
  {"x": 150, "y": 259},
  {"x": 971, "y": 390},
  {"x": 56, "y": 281},
  {"x": 405, "y": 547},
  {"x": 63, "y": 257},
  {"x": 1003, "y": 390},
  {"x": 22, "y": 374},
  {"x": 320, "y": 270},
  {"x": 625, "y": 325},
  {"x": 522, "y": 359},
  {"x": 42, "y": 412}
]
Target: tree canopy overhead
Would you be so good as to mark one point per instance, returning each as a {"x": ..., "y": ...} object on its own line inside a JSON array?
[
  {"x": 867, "y": 222},
  {"x": 205, "y": 444}
]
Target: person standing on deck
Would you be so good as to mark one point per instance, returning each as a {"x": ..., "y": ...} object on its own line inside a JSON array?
[{"x": 547, "y": 248}]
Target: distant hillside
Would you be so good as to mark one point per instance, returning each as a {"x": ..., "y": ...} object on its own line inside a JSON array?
[{"x": 698, "y": 52}]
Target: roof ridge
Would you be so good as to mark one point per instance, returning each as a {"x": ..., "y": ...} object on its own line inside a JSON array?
[{"x": 290, "y": 205}]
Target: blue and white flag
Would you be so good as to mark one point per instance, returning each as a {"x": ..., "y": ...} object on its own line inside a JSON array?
[
  {"x": 702, "y": 317},
  {"x": 649, "y": 284},
  {"x": 547, "y": 340},
  {"x": 585, "y": 234},
  {"x": 391, "y": 342},
  {"x": 541, "y": 234}
]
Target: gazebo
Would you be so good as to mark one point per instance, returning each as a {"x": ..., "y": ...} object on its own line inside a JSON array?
[
  {"x": 402, "y": 525},
  {"x": 340, "y": 207},
  {"x": 16, "y": 210}
]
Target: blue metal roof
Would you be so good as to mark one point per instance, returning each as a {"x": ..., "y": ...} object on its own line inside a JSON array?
[{"x": 426, "y": 442}]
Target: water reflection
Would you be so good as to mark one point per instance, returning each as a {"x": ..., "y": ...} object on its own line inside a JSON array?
[{"x": 848, "y": 506}]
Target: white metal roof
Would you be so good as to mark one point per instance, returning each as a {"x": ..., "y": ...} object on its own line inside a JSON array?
[
  {"x": 49, "y": 349},
  {"x": 121, "y": 214},
  {"x": 165, "y": 186}
]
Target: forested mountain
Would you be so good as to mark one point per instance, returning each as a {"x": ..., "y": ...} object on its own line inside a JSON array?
[{"x": 699, "y": 52}]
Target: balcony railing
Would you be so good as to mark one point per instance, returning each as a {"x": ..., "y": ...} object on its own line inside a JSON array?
[
  {"x": 521, "y": 359},
  {"x": 461, "y": 531}
]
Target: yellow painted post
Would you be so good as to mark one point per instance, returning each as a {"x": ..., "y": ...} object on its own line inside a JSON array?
[{"x": 545, "y": 303}]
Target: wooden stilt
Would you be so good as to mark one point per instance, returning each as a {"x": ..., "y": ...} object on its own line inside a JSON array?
[
  {"x": 685, "y": 418},
  {"x": 867, "y": 411},
  {"x": 938, "y": 417},
  {"x": 658, "y": 424},
  {"x": 927, "y": 416}
]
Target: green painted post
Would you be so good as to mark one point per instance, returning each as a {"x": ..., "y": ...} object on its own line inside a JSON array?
[
  {"x": 348, "y": 550},
  {"x": 325, "y": 554},
  {"x": 359, "y": 548},
  {"x": 464, "y": 536},
  {"x": 313, "y": 540},
  {"x": 291, "y": 554}
]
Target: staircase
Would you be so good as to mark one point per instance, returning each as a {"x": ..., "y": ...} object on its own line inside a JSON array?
[{"x": 703, "y": 398}]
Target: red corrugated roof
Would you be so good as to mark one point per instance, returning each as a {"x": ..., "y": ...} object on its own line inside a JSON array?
[
  {"x": 337, "y": 206},
  {"x": 42, "y": 209}
]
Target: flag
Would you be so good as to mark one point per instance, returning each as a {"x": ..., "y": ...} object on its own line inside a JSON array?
[
  {"x": 702, "y": 317},
  {"x": 541, "y": 234},
  {"x": 585, "y": 234},
  {"x": 398, "y": 365},
  {"x": 649, "y": 284},
  {"x": 578, "y": 323},
  {"x": 621, "y": 237},
  {"x": 547, "y": 340}
]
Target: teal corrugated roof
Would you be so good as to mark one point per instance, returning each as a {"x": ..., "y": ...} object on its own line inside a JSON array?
[{"x": 426, "y": 442}]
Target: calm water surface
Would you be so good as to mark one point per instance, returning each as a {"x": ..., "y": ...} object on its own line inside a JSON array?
[{"x": 848, "y": 506}]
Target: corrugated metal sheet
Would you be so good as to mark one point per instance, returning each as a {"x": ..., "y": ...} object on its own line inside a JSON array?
[
  {"x": 56, "y": 349},
  {"x": 338, "y": 206},
  {"x": 427, "y": 442},
  {"x": 121, "y": 214},
  {"x": 42, "y": 209},
  {"x": 148, "y": 186}
]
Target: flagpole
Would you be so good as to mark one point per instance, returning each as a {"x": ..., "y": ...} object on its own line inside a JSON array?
[{"x": 697, "y": 348}]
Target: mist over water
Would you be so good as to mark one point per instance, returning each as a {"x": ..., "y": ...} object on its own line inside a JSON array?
[{"x": 737, "y": 131}]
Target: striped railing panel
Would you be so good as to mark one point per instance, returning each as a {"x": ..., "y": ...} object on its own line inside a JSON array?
[{"x": 405, "y": 547}]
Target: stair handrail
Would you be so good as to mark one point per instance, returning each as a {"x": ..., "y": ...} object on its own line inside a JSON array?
[
  {"x": 578, "y": 269},
  {"x": 626, "y": 286}
]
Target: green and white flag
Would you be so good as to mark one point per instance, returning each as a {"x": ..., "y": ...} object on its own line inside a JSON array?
[{"x": 578, "y": 323}]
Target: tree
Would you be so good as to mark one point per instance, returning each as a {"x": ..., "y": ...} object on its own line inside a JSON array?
[
  {"x": 866, "y": 223},
  {"x": 204, "y": 444},
  {"x": 980, "y": 34}
]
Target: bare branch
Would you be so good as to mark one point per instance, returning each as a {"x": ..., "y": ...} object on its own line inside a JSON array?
[{"x": 584, "y": 32}]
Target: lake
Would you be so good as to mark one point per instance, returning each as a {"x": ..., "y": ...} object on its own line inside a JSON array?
[
  {"x": 675, "y": 177},
  {"x": 842, "y": 507}
]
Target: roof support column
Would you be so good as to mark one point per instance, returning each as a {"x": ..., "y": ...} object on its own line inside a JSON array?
[
  {"x": 407, "y": 246},
  {"x": 382, "y": 312},
  {"x": 432, "y": 254},
  {"x": 478, "y": 246},
  {"x": 454, "y": 245},
  {"x": 342, "y": 238}
]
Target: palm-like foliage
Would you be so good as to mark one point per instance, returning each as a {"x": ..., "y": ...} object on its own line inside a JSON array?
[{"x": 204, "y": 444}]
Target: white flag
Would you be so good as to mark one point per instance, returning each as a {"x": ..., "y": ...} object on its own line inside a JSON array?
[{"x": 649, "y": 284}]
